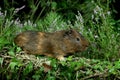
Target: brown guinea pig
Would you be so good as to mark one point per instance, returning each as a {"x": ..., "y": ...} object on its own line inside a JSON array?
[{"x": 57, "y": 44}]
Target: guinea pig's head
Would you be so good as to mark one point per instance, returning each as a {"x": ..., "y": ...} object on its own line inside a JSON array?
[{"x": 75, "y": 41}]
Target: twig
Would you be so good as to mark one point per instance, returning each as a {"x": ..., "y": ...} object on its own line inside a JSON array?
[
  {"x": 102, "y": 74},
  {"x": 18, "y": 9},
  {"x": 5, "y": 56}
]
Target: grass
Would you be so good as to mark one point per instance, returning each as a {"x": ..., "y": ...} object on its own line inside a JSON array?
[{"x": 100, "y": 61}]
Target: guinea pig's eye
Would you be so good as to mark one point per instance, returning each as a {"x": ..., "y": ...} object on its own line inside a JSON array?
[{"x": 78, "y": 39}]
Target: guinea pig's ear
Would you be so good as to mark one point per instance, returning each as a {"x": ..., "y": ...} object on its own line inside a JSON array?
[{"x": 68, "y": 33}]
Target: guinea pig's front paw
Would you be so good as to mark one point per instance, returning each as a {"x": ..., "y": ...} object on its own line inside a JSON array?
[{"x": 61, "y": 58}]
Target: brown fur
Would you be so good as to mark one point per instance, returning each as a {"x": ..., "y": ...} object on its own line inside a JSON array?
[{"x": 57, "y": 44}]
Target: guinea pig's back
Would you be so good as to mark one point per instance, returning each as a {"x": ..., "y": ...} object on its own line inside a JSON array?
[{"x": 25, "y": 37}]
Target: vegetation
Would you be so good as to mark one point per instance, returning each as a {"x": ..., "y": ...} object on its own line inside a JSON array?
[{"x": 93, "y": 18}]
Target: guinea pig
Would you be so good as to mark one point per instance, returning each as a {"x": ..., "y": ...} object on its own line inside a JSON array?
[{"x": 57, "y": 44}]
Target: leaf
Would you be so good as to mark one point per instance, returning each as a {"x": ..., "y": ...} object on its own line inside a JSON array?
[
  {"x": 12, "y": 65},
  {"x": 47, "y": 67},
  {"x": 1, "y": 61},
  {"x": 28, "y": 69},
  {"x": 36, "y": 77},
  {"x": 18, "y": 49},
  {"x": 11, "y": 53},
  {"x": 70, "y": 58},
  {"x": 117, "y": 64},
  {"x": 3, "y": 41},
  {"x": 53, "y": 5}
]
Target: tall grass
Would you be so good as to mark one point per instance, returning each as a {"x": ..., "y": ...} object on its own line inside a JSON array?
[
  {"x": 99, "y": 30},
  {"x": 102, "y": 35}
]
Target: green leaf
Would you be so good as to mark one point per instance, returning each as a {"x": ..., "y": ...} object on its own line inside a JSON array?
[
  {"x": 12, "y": 65},
  {"x": 11, "y": 53},
  {"x": 70, "y": 58},
  {"x": 3, "y": 41},
  {"x": 53, "y": 5},
  {"x": 1, "y": 61},
  {"x": 28, "y": 69},
  {"x": 117, "y": 64},
  {"x": 18, "y": 49},
  {"x": 36, "y": 77}
]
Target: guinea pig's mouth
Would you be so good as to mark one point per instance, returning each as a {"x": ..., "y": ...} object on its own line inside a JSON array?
[{"x": 84, "y": 47}]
